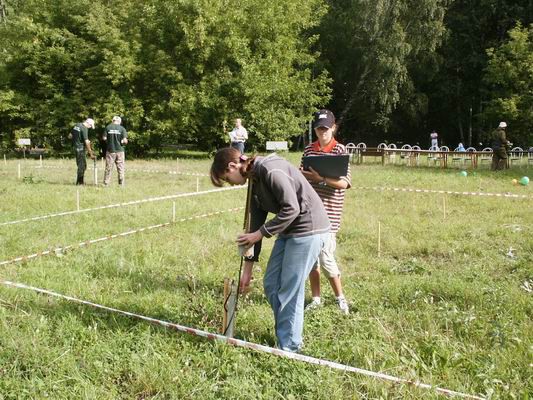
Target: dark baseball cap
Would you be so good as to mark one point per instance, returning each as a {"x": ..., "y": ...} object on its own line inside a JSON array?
[{"x": 323, "y": 118}]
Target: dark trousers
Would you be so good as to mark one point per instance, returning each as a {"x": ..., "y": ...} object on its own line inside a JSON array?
[
  {"x": 81, "y": 162},
  {"x": 499, "y": 159}
]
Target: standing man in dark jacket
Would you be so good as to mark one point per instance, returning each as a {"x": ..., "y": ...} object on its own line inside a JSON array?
[
  {"x": 499, "y": 145},
  {"x": 80, "y": 143},
  {"x": 115, "y": 137}
]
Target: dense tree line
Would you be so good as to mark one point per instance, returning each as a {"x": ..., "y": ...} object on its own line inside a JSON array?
[{"x": 179, "y": 71}]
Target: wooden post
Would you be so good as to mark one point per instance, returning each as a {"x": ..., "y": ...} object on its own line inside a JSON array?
[
  {"x": 173, "y": 211},
  {"x": 197, "y": 185},
  {"x": 78, "y": 199},
  {"x": 95, "y": 174},
  {"x": 177, "y": 165},
  {"x": 225, "y": 315},
  {"x": 103, "y": 163},
  {"x": 231, "y": 305},
  {"x": 41, "y": 160},
  {"x": 444, "y": 206},
  {"x": 18, "y": 170},
  {"x": 230, "y": 298},
  {"x": 5, "y": 160},
  {"x": 379, "y": 238},
  {"x": 383, "y": 156}
]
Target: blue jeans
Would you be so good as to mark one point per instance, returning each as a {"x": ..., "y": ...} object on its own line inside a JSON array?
[
  {"x": 239, "y": 146},
  {"x": 284, "y": 283}
]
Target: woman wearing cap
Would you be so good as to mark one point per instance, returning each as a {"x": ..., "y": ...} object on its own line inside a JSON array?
[
  {"x": 300, "y": 223},
  {"x": 331, "y": 191}
]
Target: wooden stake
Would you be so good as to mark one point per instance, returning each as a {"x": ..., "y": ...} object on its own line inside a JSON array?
[
  {"x": 228, "y": 320},
  {"x": 173, "y": 211},
  {"x": 197, "y": 185},
  {"x": 18, "y": 170},
  {"x": 379, "y": 239},
  {"x": 41, "y": 160},
  {"x": 103, "y": 163},
  {"x": 95, "y": 174},
  {"x": 78, "y": 199},
  {"x": 177, "y": 169},
  {"x": 5, "y": 160},
  {"x": 225, "y": 315},
  {"x": 444, "y": 206}
]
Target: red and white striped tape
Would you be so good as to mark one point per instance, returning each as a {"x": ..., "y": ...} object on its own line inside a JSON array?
[
  {"x": 508, "y": 195},
  {"x": 85, "y": 243},
  {"x": 249, "y": 345},
  {"x": 129, "y": 203},
  {"x": 133, "y": 170}
]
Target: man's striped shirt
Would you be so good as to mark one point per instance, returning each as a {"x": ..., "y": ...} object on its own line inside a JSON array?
[{"x": 332, "y": 198}]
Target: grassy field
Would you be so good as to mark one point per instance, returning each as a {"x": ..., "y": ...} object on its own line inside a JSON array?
[{"x": 445, "y": 303}]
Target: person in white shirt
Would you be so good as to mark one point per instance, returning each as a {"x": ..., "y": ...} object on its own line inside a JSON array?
[
  {"x": 434, "y": 140},
  {"x": 238, "y": 136}
]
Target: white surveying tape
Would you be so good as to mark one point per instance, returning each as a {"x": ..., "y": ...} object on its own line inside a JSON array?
[
  {"x": 157, "y": 171},
  {"x": 59, "y": 250},
  {"x": 508, "y": 195},
  {"x": 128, "y": 203},
  {"x": 249, "y": 345}
]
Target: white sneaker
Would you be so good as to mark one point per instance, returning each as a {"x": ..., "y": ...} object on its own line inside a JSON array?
[
  {"x": 343, "y": 305},
  {"x": 315, "y": 303}
]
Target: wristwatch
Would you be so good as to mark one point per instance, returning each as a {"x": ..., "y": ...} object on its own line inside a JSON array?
[{"x": 323, "y": 182}]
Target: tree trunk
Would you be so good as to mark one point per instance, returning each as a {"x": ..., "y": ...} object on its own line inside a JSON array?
[
  {"x": 3, "y": 10},
  {"x": 349, "y": 103}
]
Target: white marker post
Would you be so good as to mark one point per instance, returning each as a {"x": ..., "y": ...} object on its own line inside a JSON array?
[
  {"x": 177, "y": 168},
  {"x": 197, "y": 185},
  {"x": 173, "y": 211},
  {"x": 379, "y": 239},
  {"x": 444, "y": 206},
  {"x": 78, "y": 199},
  {"x": 18, "y": 170},
  {"x": 5, "y": 160},
  {"x": 41, "y": 160},
  {"x": 95, "y": 174}
]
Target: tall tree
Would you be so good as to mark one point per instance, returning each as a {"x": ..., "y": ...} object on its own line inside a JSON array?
[
  {"x": 509, "y": 77},
  {"x": 367, "y": 46},
  {"x": 177, "y": 70},
  {"x": 457, "y": 95}
]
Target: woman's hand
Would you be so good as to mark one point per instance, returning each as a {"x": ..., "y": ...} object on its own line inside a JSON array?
[{"x": 312, "y": 175}]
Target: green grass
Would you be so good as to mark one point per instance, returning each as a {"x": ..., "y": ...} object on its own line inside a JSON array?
[{"x": 443, "y": 304}]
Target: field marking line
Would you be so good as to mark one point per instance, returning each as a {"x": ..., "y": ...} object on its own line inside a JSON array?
[
  {"x": 128, "y": 203},
  {"x": 394, "y": 189},
  {"x": 245, "y": 344},
  {"x": 85, "y": 243}
]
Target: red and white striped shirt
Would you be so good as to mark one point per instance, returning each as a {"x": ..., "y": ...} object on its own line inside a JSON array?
[{"x": 332, "y": 198}]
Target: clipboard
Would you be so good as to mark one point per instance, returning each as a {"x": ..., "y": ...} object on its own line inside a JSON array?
[{"x": 329, "y": 166}]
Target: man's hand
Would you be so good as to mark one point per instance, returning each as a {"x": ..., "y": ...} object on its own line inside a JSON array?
[
  {"x": 249, "y": 239},
  {"x": 312, "y": 175},
  {"x": 124, "y": 141}
]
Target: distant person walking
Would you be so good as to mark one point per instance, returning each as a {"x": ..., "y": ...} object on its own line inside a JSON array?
[
  {"x": 434, "y": 140},
  {"x": 80, "y": 142},
  {"x": 499, "y": 145},
  {"x": 115, "y": 137},
  {"x": 238, "y": 136},
  {"x": 331, "y": 191}
]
